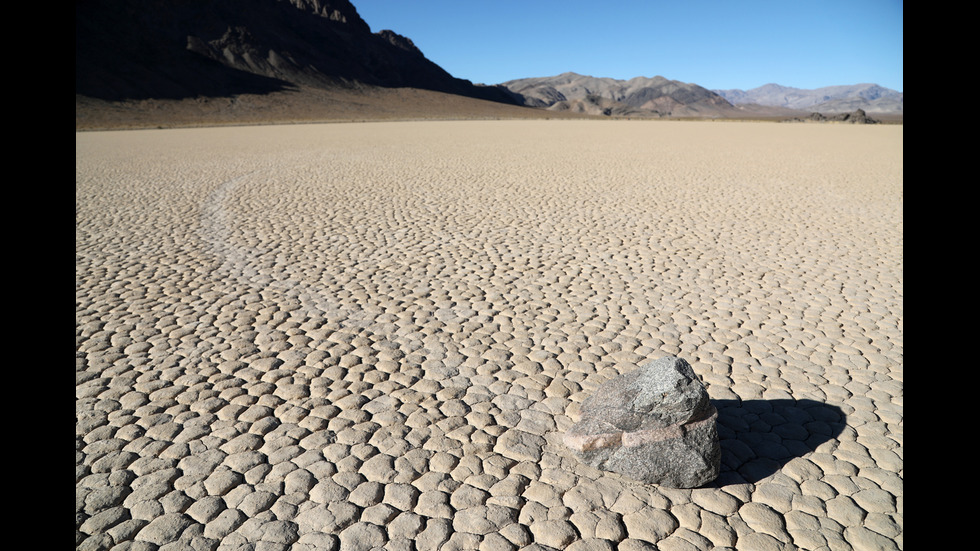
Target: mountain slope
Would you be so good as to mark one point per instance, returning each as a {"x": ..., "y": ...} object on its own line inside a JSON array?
[
  {"x": 829, "y": 99},
  {"x": 655, "y": 96},
  {"x": 134, "y": 49}
]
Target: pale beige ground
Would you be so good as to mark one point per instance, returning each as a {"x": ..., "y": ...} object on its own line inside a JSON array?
[{"x": 373, "y": 335}]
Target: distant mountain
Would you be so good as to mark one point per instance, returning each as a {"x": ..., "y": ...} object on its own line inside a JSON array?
[
  {"x": 830, "y": 99},
  {"x": 640, "y": 96},
  {"x": 175, "y": 49}
]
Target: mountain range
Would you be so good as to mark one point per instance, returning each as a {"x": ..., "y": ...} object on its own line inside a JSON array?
[
  {"x": 131, "y": 51},
  {"x": 638, "y": 96},
  {"x": 830, "y": 99},
  {"x": 660, "y": 97}
]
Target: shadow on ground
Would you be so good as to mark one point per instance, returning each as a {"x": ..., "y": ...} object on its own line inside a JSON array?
[{"x": 758, "y": 437}]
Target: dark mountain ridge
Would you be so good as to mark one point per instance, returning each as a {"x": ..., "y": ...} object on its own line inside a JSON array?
[{"x": 136, "y": 49}]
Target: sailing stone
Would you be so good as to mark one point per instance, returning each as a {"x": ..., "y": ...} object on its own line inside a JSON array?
[{"x": 654, "y": 424}]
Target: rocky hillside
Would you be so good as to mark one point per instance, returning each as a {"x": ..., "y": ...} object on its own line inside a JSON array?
[
  {"x": 136, "y": 49},
  {"x": 830, "y": 99},
  {"x": 857, "y": 117},
  {"x": 655, "y": 96}
]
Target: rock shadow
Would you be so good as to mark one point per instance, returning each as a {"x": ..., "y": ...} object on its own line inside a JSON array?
[{"x": 758, "y": 437}]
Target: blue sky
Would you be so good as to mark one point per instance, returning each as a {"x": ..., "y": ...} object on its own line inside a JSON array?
[{"x": 714, "y": 43}]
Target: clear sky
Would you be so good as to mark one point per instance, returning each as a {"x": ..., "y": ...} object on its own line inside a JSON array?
[{"x": 718, "y": 44}]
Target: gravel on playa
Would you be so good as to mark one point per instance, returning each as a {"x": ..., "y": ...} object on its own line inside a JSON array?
[{"x": 373, "y": 335}]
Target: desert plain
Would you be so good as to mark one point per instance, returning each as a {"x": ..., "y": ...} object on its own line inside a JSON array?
[{"x": 373, "y": 335}]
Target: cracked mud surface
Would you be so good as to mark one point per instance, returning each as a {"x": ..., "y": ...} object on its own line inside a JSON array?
[{"x": 360, "y": 336}]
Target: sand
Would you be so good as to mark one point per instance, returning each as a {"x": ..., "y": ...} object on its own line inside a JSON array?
[{"x": 373, "y": 335}]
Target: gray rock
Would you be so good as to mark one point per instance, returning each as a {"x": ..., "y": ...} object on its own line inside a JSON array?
[{"x": 655, "y": 424}]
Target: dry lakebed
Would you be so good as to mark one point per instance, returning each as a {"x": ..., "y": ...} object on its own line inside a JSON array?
[{"x": 374, "y": 335}]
